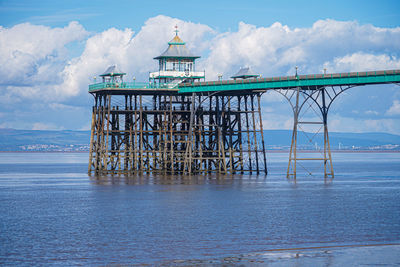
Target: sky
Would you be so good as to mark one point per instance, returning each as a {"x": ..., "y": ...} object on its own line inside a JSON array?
[{"x": 51, "y": 50}]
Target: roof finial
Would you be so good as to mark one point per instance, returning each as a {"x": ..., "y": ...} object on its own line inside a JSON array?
[{"x": 176, "y": 30}]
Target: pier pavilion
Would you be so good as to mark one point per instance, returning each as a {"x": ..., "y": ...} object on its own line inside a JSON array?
[{"x": 178, "y": 123}]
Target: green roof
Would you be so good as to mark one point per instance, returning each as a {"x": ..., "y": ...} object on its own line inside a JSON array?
[{"x": 176, "y": 49}]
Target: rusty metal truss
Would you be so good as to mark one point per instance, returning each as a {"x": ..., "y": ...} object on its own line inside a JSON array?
[{"x": 169, "y": 133}]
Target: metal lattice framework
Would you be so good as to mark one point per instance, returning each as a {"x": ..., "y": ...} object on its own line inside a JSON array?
[
  {"x": 204, "y": 127},
  {"x": 313, "y": 93},
  {"x": 170, "y": 133},
  {"x": 318, "y": 100}
]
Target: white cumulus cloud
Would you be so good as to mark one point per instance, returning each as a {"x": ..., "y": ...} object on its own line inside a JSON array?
[
  {"x": 132, "y": 53},
  {"x": 28, "y": 52},
  {"x": 35, "y": 62},
  {"x": 277, "y": 49},
  {"x": 338, "y": 123},
  {"x": 101, "y": 50},
  {"x": 32, "y": 56},
  {"x": 394, "y": 109},
  {"x": 360, "y": 61}
]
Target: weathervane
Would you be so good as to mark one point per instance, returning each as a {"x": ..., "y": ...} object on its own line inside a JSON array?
[{"x": 176, "y": 30}]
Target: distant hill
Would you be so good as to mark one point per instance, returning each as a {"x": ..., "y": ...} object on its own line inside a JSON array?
[
  {"x": 39, "y": 140},
  {"x": 36, "y": 140},
  {"x": 282, "y": 138}
]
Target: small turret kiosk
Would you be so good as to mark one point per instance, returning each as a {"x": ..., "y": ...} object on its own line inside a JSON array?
[
  {"x": 245, "y": 73},
  {"x": 176, "y": 65},
  {"x": 113, "y": 75}
]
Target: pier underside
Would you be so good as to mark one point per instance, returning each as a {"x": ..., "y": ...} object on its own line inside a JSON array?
[
  {"x": 211, "y": 127},
  {"x": 164, "y": 132}
]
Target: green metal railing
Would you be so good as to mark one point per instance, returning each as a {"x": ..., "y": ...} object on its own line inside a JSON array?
[
  {"x": 337, "y": 79},
  {"x": 127, "y": 85}
]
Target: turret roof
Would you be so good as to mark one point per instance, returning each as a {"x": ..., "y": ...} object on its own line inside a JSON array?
[
  {"x": 176, "y": 40},
  {"x": 113, "y": 71},
  {"x": 176, "y": 49},
  {"x": 245, "y": 73}
]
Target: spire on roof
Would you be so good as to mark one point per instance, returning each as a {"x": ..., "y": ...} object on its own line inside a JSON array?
[
  {"x": 176, "y": 30},
  {"x": 176, "y": 48}
]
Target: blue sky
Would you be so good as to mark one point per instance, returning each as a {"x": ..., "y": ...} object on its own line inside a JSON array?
[
  {"x": 223, "y": 15},
  {"x": 50, "y": 50}
]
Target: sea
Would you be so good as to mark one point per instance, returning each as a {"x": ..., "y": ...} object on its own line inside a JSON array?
[{"x": 53, "y": 213}]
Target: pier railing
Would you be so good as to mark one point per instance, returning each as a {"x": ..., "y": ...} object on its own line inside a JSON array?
[
  {"x": 129, "y": 85},
  {"x": 287, "y": 82}
]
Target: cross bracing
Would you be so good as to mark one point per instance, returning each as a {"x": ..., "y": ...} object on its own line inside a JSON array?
[{"x": 204, "y": 127}]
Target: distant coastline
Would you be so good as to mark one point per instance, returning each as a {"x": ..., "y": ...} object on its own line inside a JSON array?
[
  {"x": 276, "y": 141},
  {"x": 337, "y": 151},
  {"x": 268, "y": 151}
]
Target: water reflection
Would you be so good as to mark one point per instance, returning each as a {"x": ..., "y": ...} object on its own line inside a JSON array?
[
  {"x": 326, "y": 180},
  {"x": 52, "y": 211},
  {"x": 154, "y": 179}
]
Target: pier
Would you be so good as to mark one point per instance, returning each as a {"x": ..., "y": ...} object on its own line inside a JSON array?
[{"x": 178, "y": 123}]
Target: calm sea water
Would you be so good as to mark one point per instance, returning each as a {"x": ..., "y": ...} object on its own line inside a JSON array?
[{"x": 51, "y": 212}]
